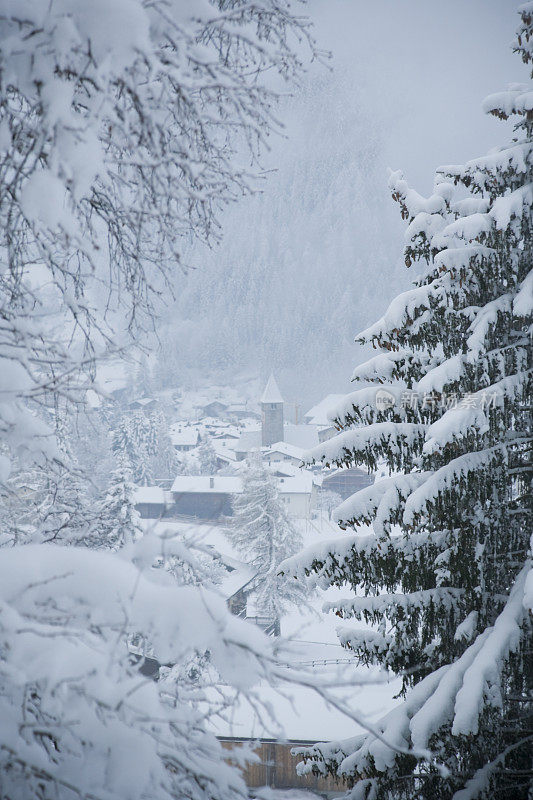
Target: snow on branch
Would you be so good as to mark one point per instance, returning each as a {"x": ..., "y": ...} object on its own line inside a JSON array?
[{"x": 362, "y": 444}]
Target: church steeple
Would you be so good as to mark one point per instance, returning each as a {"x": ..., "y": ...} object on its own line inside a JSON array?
[{"x": 271, "y": 414}]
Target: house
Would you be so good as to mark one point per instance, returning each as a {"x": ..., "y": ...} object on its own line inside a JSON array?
[
  {"x": 283, "y": 451},
  {"x": 238, "y": 584},
  {"x": 318, "y": 416},
  {"x": 228, "y": 436},
  {"x": 184, "y": 437},
  {"x": 237, "y": 581},
  {"x": 151, "y": 501},
  {"x": 204, "y": 496},
  {"x": 319, "y": 413},
  {"x": 236, "y": 412},
  {"x": 146, "y": 404},
  {"x": 303, "y": 437},
  {"x": 215, "y": 409},
  {"x": 298, "y": 494},
  {"x": 224, "y": 453},
  {"x": 248, "y": 442},
  {"x": 346, "y": 482},
  {"x": 276, "y": 767}
]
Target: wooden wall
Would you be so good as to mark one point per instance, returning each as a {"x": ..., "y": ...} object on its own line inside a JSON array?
[{"x": 277, "y": 768}]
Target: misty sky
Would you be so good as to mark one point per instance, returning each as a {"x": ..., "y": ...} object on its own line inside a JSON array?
[{"x": 318, "y": 255}]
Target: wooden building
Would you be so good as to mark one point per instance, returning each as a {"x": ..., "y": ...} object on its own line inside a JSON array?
[
  {"x": 346, "y": 481},
  {"x": 277, "y": 767},
  {"x": 151, "y": 502},
  {"x": 203, "y": 496}
]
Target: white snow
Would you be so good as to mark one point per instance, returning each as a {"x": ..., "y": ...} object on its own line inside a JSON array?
[{"x": 271, "y": 393}]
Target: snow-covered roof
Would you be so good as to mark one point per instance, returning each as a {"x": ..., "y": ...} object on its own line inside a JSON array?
[
  {"x": 240, "y": 407},
  {"x": 296, "y": 484},
  {"x": 299, "y": 713},
  {"x": 149, "y": 494},
  {"x": 142, "y": 401},
  {"x": 185, "y": 435},
  {"x": 271, "y": 394},
  {"x": 206, "y": 484},
  {"x": 249, "y": 440},
  {"x": 223, "y": 451},
  {"x": 303, "y": 436},
  {"x": 283, "y": 469},
  {"x": 234, "y": 580},
  {"x": 227, "y": 433},
  {"x": 285, "y": 449},
  {"x": 318, "y": 414}
]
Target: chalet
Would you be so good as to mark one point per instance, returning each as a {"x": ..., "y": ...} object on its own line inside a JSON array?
[
  {"x": 298, "y": 494},
  {"x": 224, "y": 453},
  {"x": 184, "y": 437},
  {"x": 215, "y": 409},
  {"x": 151, "y": 502},
  {"x": 276, "y": 767},
  {"x": 227, "y": 436},
  {"x": 303, "y": 437},
  {"x": 319, "y": 414},
  {"x": 146, "y": 404},
  {"x": 235, "y": 586},
  {"x": 209, "y": 497},
  {"x": 282, "y": 451},
  {"x": 203, "y": 496},
  {"x": 346, "y": 482},
  {"x": 239, "y": 411}
]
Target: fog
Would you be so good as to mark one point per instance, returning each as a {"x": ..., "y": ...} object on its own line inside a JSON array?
[{"x": 317, "y": 254}]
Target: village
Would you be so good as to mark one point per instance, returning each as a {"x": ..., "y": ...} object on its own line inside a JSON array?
[
  {"x": 236, "y": 432},
  {"x": 266, "y": 315},
  {"x": 199, "y": 507}
]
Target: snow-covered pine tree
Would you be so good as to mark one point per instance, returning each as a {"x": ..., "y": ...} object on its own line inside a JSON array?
[
  {"x": 162, "y": 462},
  {"x": 134, "y": 440},
  {"x": 442, "y": 579},
  {"x": 207, "y": 457},
  {"x": 143, "y": 440},
  {"x": 263, "y": 533},
  {"x": 144, "y": 382},
  {"x": 119, "y": 522}
]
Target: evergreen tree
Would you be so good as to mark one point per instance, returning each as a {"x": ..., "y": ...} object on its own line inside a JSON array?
[
  {"x": 134, "y": 441},
  {"x": 207, "y": 457},
  {"x": 120, "y": 523},
  {"x": 160, "y": 451},
  {"x": 263, "y": 533},
  {"x": 446, "y": 591},
  {"x": 144, "y": 383},
  {"x": 142, "y": 439}
]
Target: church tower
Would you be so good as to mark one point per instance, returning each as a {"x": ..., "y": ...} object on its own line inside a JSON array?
[{"x": 271, "y": 414}]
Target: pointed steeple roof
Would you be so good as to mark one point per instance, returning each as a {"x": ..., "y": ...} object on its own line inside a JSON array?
[{"x": 271, "y": 394}]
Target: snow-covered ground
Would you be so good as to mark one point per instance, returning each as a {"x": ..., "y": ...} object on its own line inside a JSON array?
[{"x": 311, "y": 648}]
